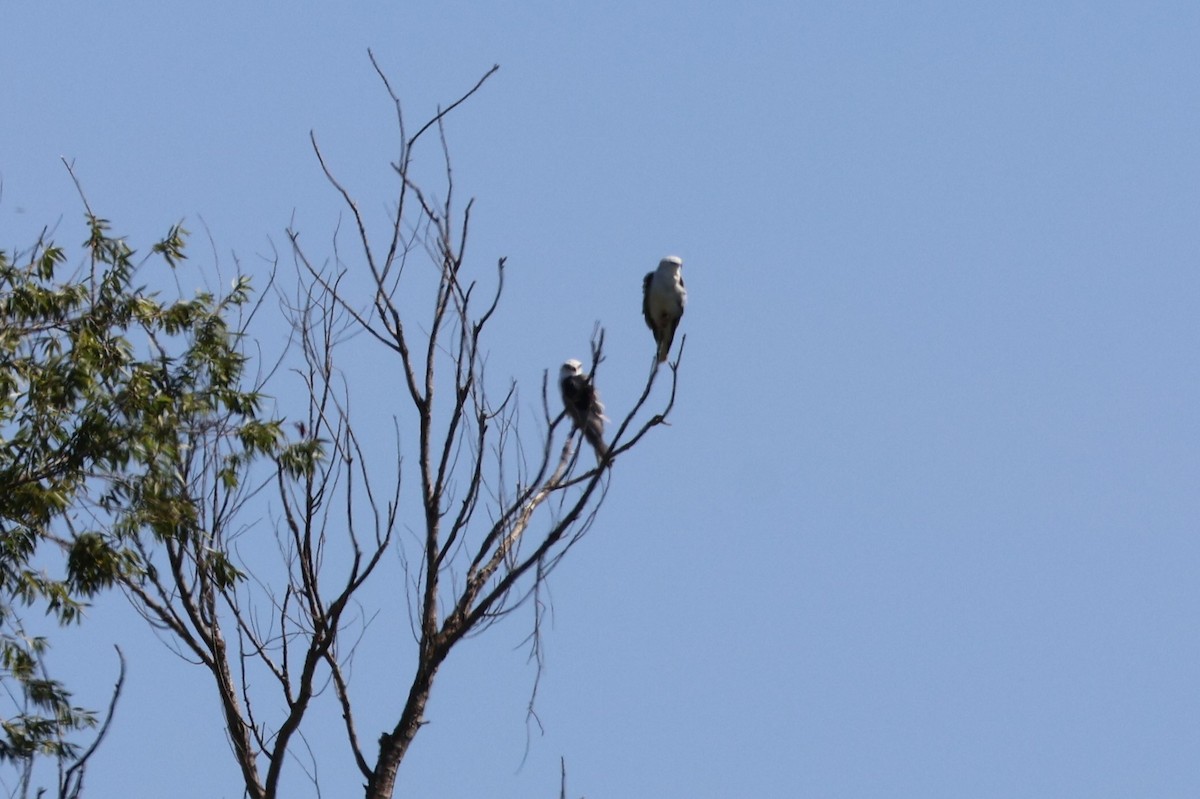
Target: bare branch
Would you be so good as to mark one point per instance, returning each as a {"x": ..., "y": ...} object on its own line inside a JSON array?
[
  {"x": 437, "y": 120},
  {"x": 500, "y": 500}
]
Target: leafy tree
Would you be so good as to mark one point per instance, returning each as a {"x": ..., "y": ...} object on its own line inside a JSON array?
[{"x": 100, "y": 382}]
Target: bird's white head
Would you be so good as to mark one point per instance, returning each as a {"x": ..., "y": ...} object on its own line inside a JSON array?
[
  {"x": 671, "y": 262},
  {"x": 570, "y": 368}
]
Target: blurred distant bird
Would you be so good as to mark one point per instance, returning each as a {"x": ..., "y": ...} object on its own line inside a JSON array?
[
  {"x": 663, "y": 298},
  {"x": 583, "y": 405}
]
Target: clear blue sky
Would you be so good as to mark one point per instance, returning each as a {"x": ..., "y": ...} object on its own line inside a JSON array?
[{"x": 927, "y": 519}]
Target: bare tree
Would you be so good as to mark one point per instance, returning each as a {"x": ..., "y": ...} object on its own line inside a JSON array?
[{"x": 499, "y": 504}]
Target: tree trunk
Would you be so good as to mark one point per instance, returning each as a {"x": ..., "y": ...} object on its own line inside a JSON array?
[{"x": 394, "y": 745}]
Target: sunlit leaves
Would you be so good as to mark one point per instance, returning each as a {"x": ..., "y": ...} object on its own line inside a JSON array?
[
  {"x": 171, "y": 246},
  {"x": 301, "y": 459}
]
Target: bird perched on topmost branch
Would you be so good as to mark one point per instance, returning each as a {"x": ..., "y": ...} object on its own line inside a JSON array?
[{"x": 663, "y": 299}]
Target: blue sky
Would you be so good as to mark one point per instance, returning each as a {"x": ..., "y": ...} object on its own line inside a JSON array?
[{"x": 925, "y": 522}]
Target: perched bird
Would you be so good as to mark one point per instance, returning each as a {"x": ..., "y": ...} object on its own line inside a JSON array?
[
  {"x": 583, "y": 405},
  {"x": 663, "y": 298}
]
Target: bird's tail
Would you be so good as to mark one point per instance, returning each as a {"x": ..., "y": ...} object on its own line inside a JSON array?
[
  {"x": 665, "y": 341},
  {"x": 597, "y": 441}
]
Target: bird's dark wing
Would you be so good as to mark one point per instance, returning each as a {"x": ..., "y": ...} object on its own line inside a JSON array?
[
  {"x": 646, "y": 301},
  {"x": 585, "y": 410},
  {"x": 577, "y": 398}
]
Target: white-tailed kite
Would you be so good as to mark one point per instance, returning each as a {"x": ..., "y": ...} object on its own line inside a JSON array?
[
  {"x": 663, "y": 298},
  {"x": 583, "y": 404}
]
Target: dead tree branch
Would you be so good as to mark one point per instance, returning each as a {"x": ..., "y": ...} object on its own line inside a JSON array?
[{"x": 495, "y": 507}]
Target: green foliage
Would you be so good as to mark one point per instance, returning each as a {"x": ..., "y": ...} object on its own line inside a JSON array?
[
  {"x": 45, "y": 715},
  {"x": 105, "y": 391}
]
